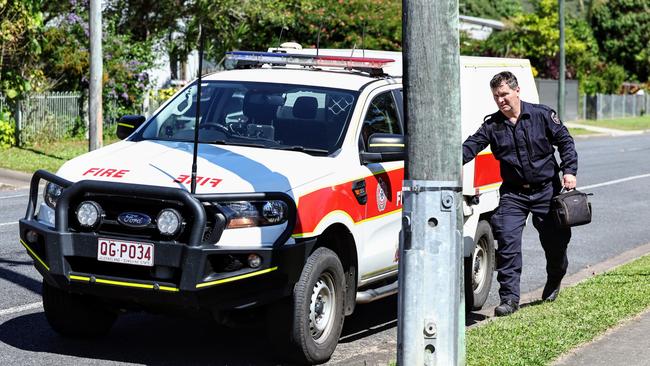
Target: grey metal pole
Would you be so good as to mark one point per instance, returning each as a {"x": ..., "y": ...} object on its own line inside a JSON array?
[
  {"x": 95, "y": 99},
  {"x": 18, "y": 117},
  {"x": 431, "y": 328},
  {"x": 560, "y": 95}
]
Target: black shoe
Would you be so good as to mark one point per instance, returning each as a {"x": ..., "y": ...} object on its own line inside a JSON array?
[
  {"x": 551, "y": 290},
  {"x": 507, "y": 307}
]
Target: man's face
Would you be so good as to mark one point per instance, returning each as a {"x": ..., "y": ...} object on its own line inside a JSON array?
[{"x": 506, "y": 98}]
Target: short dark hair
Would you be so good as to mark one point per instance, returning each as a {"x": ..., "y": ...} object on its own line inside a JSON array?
[{"x": 504, "y": 76}]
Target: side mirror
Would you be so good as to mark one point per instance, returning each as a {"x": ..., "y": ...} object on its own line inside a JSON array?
[
  {"x": 384, "y": 147},
  {"x": 127, "y": 124}
]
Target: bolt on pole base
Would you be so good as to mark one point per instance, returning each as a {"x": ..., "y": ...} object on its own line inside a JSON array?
[{"x": 431, "y": 277}]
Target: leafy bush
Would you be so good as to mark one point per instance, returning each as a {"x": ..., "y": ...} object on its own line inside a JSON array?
[
  {"x": 603, "y": 78},
  {"x": 7, "y": 131},
  {"x": 535, "y": 35},
  {"x": 44, "y": 131}
]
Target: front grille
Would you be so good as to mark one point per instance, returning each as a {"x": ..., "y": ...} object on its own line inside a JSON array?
[{"x": 113, "y": 206}]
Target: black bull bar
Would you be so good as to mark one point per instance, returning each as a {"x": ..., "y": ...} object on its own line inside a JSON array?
[{"x": 191, "y": 201}]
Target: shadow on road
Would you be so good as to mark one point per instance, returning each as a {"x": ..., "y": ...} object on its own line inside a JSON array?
[
  {"x": 160, "y": 340},
  {"x": 145, "y": 339},
  {"x": 19, "y": 278},
  {"x": 369, "y": 319}
]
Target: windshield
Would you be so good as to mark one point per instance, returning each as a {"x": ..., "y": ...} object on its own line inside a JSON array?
[{"x": 278, "y": 116}]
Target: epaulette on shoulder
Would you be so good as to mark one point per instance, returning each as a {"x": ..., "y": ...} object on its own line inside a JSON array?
[
  {"x": 490, "y": 118},
  {"x": 543, "y": 107}
]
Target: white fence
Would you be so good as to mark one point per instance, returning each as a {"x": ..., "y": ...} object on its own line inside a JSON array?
[
  {"x": 49, "y": 116},
  {"x": 54, "y": 114}
]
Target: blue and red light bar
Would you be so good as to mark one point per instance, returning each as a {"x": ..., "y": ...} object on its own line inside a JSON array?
[{"x": 259, "y": 58}]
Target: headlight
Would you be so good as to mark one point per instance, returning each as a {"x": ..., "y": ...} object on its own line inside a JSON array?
[
  {"x": 88, "y": 214},
  {"x": 52, "y": 193},
  {"x": 169, "y": 222},
  {"x": 254, "y": 213}
]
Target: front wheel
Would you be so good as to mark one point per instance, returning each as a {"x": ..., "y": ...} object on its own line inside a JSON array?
[
  {"x": 74, "y": 315},
  {"x": 313, "y": 320},
  {"x": 479, "y": 268}
]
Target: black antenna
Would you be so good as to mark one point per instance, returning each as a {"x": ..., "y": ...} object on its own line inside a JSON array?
[
  {"x": 318, "y": 39},
  {"x": 198, "y": 112},
  {"x": 280, "y": 38}
]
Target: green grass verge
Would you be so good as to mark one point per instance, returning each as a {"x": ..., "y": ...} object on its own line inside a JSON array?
[
  {"x": 580, "y": 131},
  {"x": 46, "y": 156},
  {"x": 538, "y": 334},
  {"x": 629, "y": 123}
]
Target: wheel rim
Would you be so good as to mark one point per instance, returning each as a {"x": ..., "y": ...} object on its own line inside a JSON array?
[
  {"x": 322, "y": 307},
  {"x": 479, "y": 265}
]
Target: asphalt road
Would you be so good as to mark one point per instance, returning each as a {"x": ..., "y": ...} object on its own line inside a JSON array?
[{"x": 614, "y": 169}]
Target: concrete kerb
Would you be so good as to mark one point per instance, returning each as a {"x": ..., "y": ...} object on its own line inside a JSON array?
[
  {"x": 10, "y": 179},
  {"x": 625, "y": 344},
  {"x": 603, "y": 130}
]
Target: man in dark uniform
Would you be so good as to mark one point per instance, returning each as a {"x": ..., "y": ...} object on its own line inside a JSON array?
[{"x": 521, "y": 136}]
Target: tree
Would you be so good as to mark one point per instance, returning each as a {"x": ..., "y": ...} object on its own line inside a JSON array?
[
  {"x": 535, "y": 36},
  {"x": 256, "y": 25},
  {"x": 491, "y": 9},
  {"x": 20, "y": 44},
  {"x": 127, "y": 56},
  {"x": 622, "y": 28}
]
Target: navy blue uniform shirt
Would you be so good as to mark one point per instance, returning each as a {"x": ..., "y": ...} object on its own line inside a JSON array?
[{"x": 525, "y": 149}]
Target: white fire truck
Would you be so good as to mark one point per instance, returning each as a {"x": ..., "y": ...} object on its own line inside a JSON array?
[{"x": 297, "y": 202}]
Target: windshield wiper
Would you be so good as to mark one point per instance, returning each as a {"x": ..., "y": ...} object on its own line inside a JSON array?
[
  {"x": 231, "y": 143},
  {"x": 303, "y": 149}
]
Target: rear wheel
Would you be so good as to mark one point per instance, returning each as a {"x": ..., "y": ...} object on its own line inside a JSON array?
[
  {"x": 74, "y": 315},
  {"x": 479, "y": 268},
  {"x": 313, "y": 319}
]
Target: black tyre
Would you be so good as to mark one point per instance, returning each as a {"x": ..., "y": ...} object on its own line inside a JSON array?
[
  {"x": 307, "y": 327},
  {"x": 479, "y": 268},
  {"x": 73, "y": 315}
]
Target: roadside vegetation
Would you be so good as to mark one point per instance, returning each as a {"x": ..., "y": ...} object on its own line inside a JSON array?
[
  {"x": 45, "y": 156},
  {"x": 541, "y": 332},
  {"x": 579, "y": 131},
  {"x": 629, "y": 123}
]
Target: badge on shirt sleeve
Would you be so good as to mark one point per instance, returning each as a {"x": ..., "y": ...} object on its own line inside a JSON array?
[{"x": 555, "y": 118}]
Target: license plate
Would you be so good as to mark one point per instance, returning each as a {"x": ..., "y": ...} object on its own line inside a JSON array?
[{"x": 128, "y": 252}]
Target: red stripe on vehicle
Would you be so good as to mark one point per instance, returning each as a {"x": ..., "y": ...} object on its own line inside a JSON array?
[
  {"x": 392, "y": 186},
  {"x": 314, "y": 206},
  {"x": 486, "y": 170}
]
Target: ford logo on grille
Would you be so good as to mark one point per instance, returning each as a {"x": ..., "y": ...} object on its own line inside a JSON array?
[{"x": 134, "y": 219}]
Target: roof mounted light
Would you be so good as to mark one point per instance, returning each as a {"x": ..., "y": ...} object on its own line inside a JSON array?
[{"x": 242, "y": 59}]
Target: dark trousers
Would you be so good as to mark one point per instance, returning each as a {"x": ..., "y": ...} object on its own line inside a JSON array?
[{"x": 508, "y": 223}]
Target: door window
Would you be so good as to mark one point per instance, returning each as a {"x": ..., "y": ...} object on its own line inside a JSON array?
[{"x": 382, "y": 117}]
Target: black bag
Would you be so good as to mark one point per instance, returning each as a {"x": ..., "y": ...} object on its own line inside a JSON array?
[{"x": 571, "y": 208}]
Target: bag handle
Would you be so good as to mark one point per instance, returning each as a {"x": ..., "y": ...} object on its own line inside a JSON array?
[{"x": 564, "y": 190}]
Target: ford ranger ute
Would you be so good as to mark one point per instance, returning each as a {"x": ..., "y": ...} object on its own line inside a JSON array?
[{"x": 297, "y": 205}]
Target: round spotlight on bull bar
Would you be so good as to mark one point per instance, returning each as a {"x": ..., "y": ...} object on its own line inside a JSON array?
[
  {"x": 169, "y": 222},
  {"x": 89, "y": 213},
  {"x": 254, "y": 260}
]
